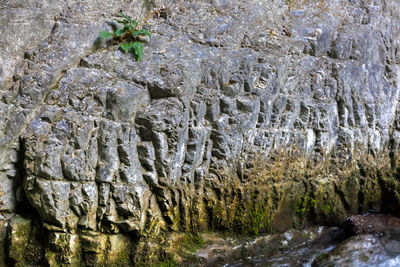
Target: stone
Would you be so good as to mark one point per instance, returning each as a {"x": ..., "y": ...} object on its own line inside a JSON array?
[
  {"x": 362, "y": 250},
  {"x": 378, "y": 224},
  {"x": 63, "y": 248},
  {"x": 3, "y": 240},
  {"x": 25, "y": 243},
  {"x": 242, "y": 116}
]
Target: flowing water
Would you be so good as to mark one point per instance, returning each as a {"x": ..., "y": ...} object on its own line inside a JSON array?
[{"x": 316, "y": 246}]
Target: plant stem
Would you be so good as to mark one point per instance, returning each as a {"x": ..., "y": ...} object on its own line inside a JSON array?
[{"x": 141, "y": 11}]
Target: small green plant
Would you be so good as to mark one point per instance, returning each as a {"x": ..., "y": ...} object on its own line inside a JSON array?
[{"x": 128, "y": 35}]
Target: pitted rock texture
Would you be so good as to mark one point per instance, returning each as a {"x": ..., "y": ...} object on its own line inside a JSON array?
[{"x": 106, "y": 145}]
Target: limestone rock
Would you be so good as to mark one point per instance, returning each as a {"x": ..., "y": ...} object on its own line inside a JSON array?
[
  {"x": 25, "y": 243},
  {"x": 360, "y": 250},
  {"x": 242, "y": 116}
]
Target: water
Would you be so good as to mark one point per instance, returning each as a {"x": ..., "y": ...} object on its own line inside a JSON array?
[{"x": 317, "y": 246}]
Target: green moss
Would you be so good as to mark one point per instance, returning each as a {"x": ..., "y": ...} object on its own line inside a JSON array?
[
  {"x": 258, "y": 219},
  {"x": 168, "y": 261},
  {"x": 153, "y": 257},
  {"x": 183, "y": 250},
  {"x": 192, "y": 241},
  {"x": 24, "y": 246},
  {"x": 305, "y": 206},
  {"x": 251, "y": 218},
  {"x": 123, "y": 258},
  {"x": 327, "y": 209}
]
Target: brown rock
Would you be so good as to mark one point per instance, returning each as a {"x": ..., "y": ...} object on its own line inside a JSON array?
[{"x": 371, "y": 224}]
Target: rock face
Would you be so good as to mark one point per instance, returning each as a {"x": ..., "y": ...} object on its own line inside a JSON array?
[
  {"x": 377, "y": 224},
  {"x": 374, "y": 242},
  {"x": 242, "y": 116},
  {"x": 360, "y": 250}
]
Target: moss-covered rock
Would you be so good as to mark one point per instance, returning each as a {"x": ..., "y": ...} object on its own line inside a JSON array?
[
  {"x": 62, "y": 249},
  {"x": 3, "y": 240},
  {"x": 25, "y": 243}
]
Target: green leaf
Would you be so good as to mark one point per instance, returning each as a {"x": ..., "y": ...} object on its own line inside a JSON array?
[
  {"x": 135, "y": 34},
  {"x": 134, "y": 24},
  {"x": 138, "y": 47},
  {"x": 126, "y": 17},
  {"x": 127, "y": 46},
  {"x": 129, "y": 27},
  {"x": 122, "y": 21},
  {"x": 145, "y": 32},
  {"x": 105, "y": 34},
  {"x": 120, "y": 32}
]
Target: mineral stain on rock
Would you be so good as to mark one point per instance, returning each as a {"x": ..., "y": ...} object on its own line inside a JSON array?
[{"x": 243, "y": 117}]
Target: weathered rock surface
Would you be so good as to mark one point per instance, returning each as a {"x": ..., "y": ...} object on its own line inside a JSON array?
[
  {"x": 290, "y": 248},
  {"x": 374, "y": 241},
  {"x": 377, "y": 224},
  {"x": 244, "y": 116},
  {"x": 361, "y": 250}
]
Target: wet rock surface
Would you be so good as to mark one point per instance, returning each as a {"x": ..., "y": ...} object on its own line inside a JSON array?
[
  {"x": 290, "y": 248},
  {"x": 375, "y": 242},
  {"x": 316, "y": 246},
  {"x": 243, "y": 116},
  {"x": 377, "y": 224}
]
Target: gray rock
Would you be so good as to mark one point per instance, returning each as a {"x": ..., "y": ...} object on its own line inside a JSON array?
[
  {"x": 98, "y": 142},
  {"x": 360, "y": 250}
]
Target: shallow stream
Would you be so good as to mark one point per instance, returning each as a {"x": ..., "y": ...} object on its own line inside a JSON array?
[{"x": 368, "y": 240}]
